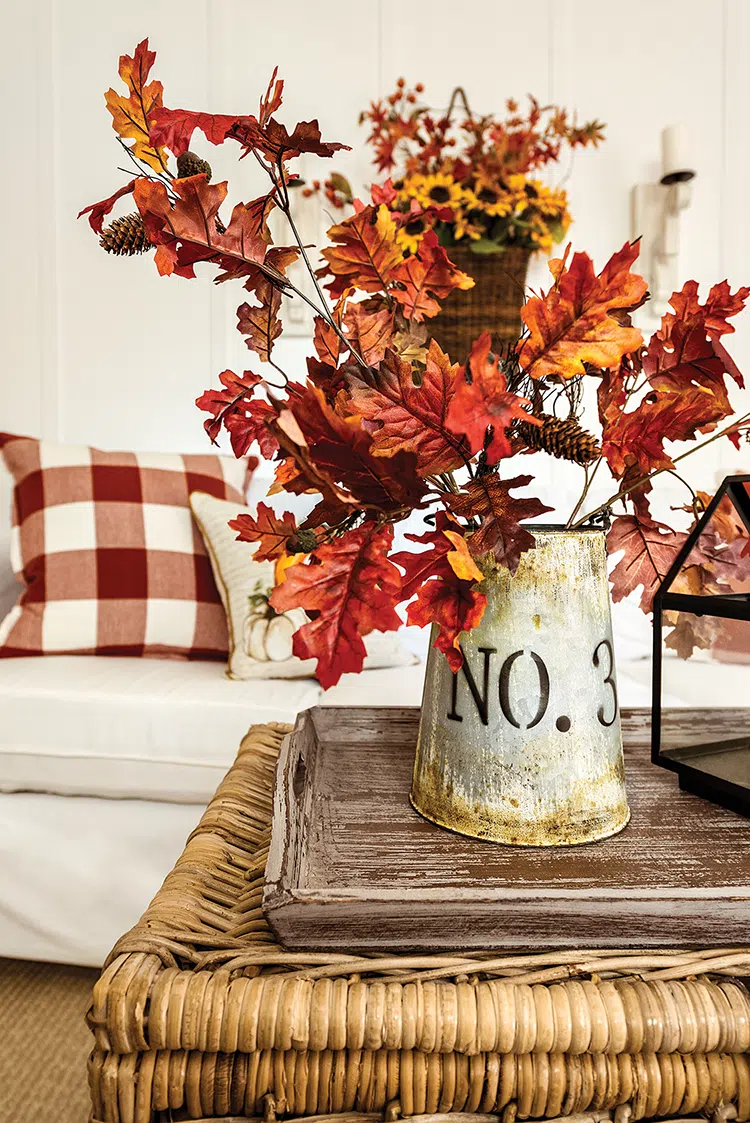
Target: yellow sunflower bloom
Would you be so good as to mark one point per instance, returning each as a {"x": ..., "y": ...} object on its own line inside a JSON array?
[
  {"x": 410, "y": 235},
  {"x": 464, "y": 228},
  {"x": 439, "y": 190}
]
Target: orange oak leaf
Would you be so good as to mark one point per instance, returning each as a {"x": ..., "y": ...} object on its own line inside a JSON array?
[
  {"x": 482, "y": 409},
  {"x": 649, "y": 547},
  {"x": 460, "y": 559},
  {"x": 260, "y": 323},
  {"x": 370, "y": 331},
  {"x": 326, "y": 342},
  {"x": 402, "y": 415},
  {"x": 97, "y": 212},
  {"x": 271, "y": 531},
  {"x": 443, "y": 597},
  {"x": 488, "y": 498},
  {"x": 272, "y": 140},
  {"x": 132, "y": 115},
  {"x": 426, "y": 278},
  {"x": 186, "y": 233},
  {"x": 364, "y": 253},
  {"x": 580, "y": 319},
  {"x": 350, "y": 588}
]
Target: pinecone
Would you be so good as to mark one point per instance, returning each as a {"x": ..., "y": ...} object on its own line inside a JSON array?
[
  {"x": 125, "y": 236},
  {"x": 190, "y": 164},
  {"x": 560, "y": 437}
]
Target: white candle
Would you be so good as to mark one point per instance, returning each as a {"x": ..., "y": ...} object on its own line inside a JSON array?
[{"x": 674, "y": 156}]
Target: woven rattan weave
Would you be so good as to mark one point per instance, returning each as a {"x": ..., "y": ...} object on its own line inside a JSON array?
[
  {"x": 493, "y": 304},
  {"x": 199, "y": 1013}
]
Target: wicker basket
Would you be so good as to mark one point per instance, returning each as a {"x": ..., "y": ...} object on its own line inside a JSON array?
[
  {"x": 493, "y": 304},
  {"x": 199, "y": 1014}
]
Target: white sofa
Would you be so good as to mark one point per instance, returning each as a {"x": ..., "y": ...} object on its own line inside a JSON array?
[{"x": 107, "y": 763}]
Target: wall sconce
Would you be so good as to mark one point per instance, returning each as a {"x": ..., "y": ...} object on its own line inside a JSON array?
[{"x": 656, "y": 219}]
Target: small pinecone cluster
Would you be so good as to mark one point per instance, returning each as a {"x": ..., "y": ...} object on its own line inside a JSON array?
[
  {"x": 125, "y": 236},
  {"x": 560, "y": 437}
]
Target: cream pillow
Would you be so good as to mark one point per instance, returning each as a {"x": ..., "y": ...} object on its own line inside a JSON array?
[{"x": 260, "y": 640}]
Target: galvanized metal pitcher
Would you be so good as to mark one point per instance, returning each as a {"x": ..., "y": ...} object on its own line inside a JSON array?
[{"x": 523, "y": 744}]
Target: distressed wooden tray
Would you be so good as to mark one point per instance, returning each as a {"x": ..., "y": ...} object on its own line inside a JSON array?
[{"x": 352, "y": 865}]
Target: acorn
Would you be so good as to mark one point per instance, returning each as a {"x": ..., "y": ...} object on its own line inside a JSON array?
[{"x": 190, "y": 164}]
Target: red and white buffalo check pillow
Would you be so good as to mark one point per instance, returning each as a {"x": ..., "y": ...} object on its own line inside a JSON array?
[{"x": 110, "y": 557}]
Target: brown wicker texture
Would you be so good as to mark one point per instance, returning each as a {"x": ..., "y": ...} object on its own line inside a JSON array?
[
  {"x": 200, "y": 1014},
  {"x": 493, "y": 304}
]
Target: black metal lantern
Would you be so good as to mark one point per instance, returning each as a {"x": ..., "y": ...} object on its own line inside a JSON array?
[{"x": 709, "y": 617}]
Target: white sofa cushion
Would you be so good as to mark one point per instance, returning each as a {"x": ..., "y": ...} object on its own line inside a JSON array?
[{"x": 130, "y": 728}]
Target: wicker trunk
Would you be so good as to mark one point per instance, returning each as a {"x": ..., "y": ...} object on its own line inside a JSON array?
[
  {"x": 200, "y": 1014},
  {"x": 493, "y": 304}
]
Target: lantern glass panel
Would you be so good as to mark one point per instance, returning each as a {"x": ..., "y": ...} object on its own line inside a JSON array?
[{"x": 702, "y": 655}]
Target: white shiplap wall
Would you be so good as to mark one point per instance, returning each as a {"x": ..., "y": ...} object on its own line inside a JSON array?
[{"x": 103, "y": 351}]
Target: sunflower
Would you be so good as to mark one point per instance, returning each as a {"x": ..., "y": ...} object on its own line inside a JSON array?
[
  {"x": 490, "y": 197},
  {"x": 410, "y": 235},
  {"x": 439, "y": 190},
  {"x": 465, "y": 227}
]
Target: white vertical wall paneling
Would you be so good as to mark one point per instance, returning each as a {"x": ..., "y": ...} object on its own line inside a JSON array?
[{"x": 102, "y": 350}]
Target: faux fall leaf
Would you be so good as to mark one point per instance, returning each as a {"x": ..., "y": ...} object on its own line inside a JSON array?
[
  {"x": 488, "y": 498},
  {"x": 174, "y": 128},
  {"x": 243, "y": 416},
  {"x": 371, "y": 332},
  {"x": 485, "y": 402},
  {"x": 580, "y": 319},
  {"x": 260, "y": 323},
  {"x": 444, "y": 579},
  {"x": 341, "y": 451},
  {"x": 272, "y": 140},
  {"x": 271, "y": 531},
  {"x": 404, "y": 416},
  {"x": 638, "y": 437},
  {"x": 425, "y": 278},
  {"x": 721, "y": 304},
  {"x": 186, "y": 233},
  {"x": 364, "y": 253},
  {"x": 132, "y": 115},
  {"x": 650, "y": 548},
  {"x": 326, "y": 342},
  {"x": 350, "y": 588}
]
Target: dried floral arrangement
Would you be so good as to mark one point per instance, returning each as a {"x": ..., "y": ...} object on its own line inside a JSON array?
[
  {"x": 471, "y": 179},
  {"x": 386, "y": 426}
]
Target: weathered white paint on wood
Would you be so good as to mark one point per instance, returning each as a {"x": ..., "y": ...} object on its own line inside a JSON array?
[{"x": 352, "y": 865}]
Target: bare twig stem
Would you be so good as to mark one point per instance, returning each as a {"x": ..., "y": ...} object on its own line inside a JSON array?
[{"x": 735, "y": 426}]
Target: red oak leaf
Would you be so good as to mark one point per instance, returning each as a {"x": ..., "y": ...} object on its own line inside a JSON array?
[
  {"x": 244, "y": 417},
  {"x": 97, "y": 212},
  {"x": 364, "y": 253},
  {"x": 650, "y": 548},
  {"x": 638, "y": 437},
  {"x": 174, "y": 128},
  {"x": 340, "y": 449},
  {"x": 443, "y": 597},
  {"x": 488, "y": 498},
  {"x": 271, "y": 531},
  {"x": 486, "y": 401},
  {"x": 580, "y": 319},
  {"x": 133, "y": 115},
  {"x": 351, "y": 589},
  {"x": 370, "y": 331},
  {"x": 271, "y": 139},
  {"x": 714, "y": 314},
  {"x": 427, "y": 277},
  {"x": 455, "y": 606},
  {"x": 402, "y": 415}
]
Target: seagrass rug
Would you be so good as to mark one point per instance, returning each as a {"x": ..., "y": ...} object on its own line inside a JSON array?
[{"x": 45, "y": 1042}]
